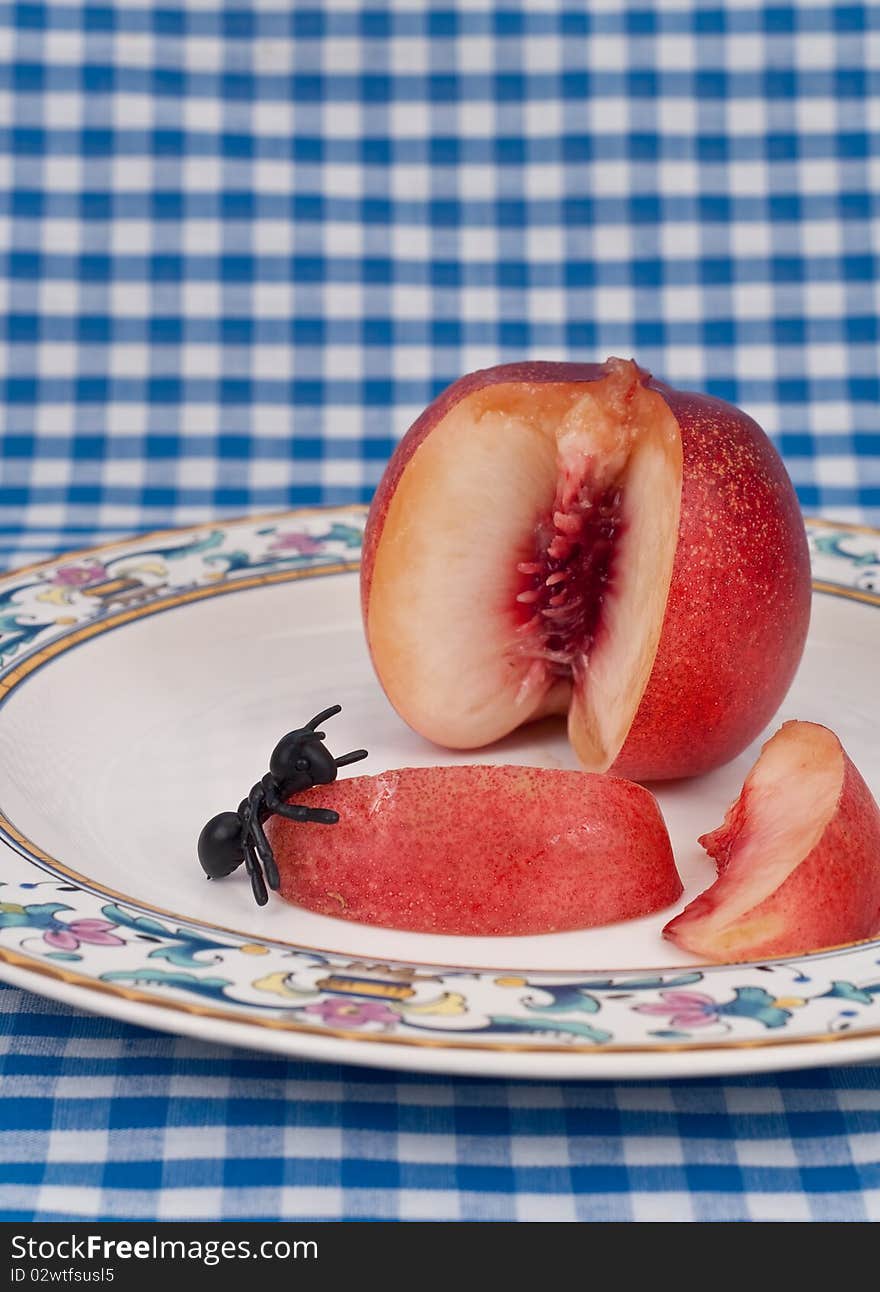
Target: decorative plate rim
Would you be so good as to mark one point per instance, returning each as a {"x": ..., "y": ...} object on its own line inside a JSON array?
[{"x": 378, "y": 1001}]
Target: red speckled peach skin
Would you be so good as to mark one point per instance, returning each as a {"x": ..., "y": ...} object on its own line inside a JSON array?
[
  {"x": 480, "y": 850},
  {"x": 739, "y": 600},
  {"x": 831, "y": 897}
]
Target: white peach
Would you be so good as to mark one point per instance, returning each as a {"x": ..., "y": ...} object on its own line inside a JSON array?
[{"x": 583, "y": 540}]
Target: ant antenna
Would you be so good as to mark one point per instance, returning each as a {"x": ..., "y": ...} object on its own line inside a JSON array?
[{"x": 321, "y": 717}]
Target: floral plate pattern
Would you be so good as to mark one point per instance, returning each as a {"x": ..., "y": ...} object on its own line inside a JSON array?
[{"x": 57, "y": 931}]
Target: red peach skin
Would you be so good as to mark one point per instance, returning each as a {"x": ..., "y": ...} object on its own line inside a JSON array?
[
  {"x": 480, "y": 850},
  {"x": 702, "y": 652},
  {"x": 798, "y": 857},
  {"x": 739, "y": 600}
]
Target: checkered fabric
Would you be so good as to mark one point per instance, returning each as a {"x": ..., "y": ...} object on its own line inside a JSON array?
[
  {"x": 243, "y": 246},
  {"x": 240, "y": 248},
  {"x": 107, "y": 1121}
]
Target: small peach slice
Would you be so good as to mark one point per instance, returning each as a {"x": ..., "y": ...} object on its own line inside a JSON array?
[
  {"x": 480, "y": 850},
  {"x": 798, "y": 857}
]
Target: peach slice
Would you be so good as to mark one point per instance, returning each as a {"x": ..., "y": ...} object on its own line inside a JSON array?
[
  {"x": 480, "y": 850},
  {"x": 798, "y": 857},
  {"x": 580, "y": 539}
]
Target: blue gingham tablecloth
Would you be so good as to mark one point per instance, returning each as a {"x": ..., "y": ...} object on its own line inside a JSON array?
[
  {"x": 104, "y": 1121},
  {"x": 240, "y": 247}
]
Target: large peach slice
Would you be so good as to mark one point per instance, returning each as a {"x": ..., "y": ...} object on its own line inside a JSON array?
[
  {"x": 798, "y": 857},
  {"x": 581, "y": 539},
  {"x": 480, "y": 850}
]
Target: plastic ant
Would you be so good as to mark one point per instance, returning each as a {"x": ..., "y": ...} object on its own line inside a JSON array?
[{"x": 298, "y": 762}]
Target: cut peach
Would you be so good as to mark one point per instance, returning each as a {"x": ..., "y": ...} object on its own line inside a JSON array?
[
  {"x": 798, "y": 857},
  {"x": 582, "y": 540},
  {"x": 480, "y": 850}
]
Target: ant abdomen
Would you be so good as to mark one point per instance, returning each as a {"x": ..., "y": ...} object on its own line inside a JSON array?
[{"x": 220, "y": 846}]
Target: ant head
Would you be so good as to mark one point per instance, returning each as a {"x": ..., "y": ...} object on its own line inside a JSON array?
[{"x": 300, "y": 760}]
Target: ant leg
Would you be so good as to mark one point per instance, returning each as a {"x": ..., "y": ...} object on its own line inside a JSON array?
[
  {"x": 354, "y": 757},
  {"x": 252, "y": 866},
  {"x": 265, "y": 854},
  {"x": 296, "y": 812},
  {"x": 253, "y": 829}
]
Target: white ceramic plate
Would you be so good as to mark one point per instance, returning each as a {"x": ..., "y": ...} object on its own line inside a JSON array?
[{"x": 137, "y": 699}]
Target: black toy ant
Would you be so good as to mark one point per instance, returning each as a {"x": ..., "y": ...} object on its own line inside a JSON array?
[{"x": 298, "y": 762}]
